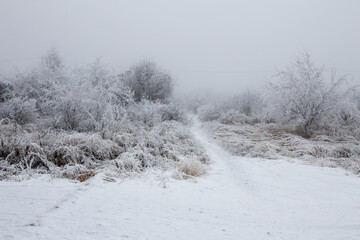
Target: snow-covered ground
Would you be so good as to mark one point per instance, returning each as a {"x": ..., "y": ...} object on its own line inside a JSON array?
[{"x": 240, "y": 198}]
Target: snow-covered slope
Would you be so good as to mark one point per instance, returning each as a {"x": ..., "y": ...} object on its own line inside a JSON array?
[{"x": 240, "y": 198}]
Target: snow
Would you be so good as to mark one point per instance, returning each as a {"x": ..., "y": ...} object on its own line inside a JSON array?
[
  {"x": 240, "y": 198},
  {"x": 271, "y": 141}
]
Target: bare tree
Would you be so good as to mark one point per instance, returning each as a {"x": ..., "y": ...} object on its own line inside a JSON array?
[
  {"x": 301, "y": 95},
  {"x": 52, "y": 61}
]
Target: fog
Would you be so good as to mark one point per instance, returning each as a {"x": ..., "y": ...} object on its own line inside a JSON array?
[{"x": 224, "y": 46}]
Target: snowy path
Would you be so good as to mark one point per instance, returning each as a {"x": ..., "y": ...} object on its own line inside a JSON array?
[
  {"x": 291, "y": 200},
  {"x": 240, "y": 199}
]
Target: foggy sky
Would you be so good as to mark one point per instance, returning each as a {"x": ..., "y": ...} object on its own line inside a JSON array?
[{"x": 220, "y": 44}]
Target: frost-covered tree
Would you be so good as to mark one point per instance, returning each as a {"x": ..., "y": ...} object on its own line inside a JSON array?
[
  {"x": 148, "y": 81},
  {"x": 36, "y": 90},
  {"x": 19, "y": 99},
  {"x": 93, "y": 98},
  {"x": 89, "y": 98},
  {"x": 41, "y": 84},
  {"x": 52, "y": 61},
  {"x": 303, "y": 95},
  {"x": 19, "y": 110}
]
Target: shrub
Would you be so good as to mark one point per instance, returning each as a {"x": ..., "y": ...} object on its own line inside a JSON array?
[
  {"x": 151, "y": 113},
  {"x": 126, "y": 148},
  {"x": 193, "y": 168},
  {"x": 302, "y": 96},
  {"x": 5, "y": 90},
  {"x": 149, "y": 82},
  {"x": 244, "y": 108},
  {"x": 20, "y": 110}
]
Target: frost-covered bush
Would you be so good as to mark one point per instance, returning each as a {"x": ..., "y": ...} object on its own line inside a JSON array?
[
  {"x": 19, "y": 110},
  {"x": 82, "y": 99},
  {"x": 151, "y": 113},
  {"x": 149, "y": 82},
  {"x": 146, "y": 112},
  {"x": 303, "y": 96},
  {"x": 126, "y": 148},
  {"x": 52, "y": 62},
  {"x": 93, "y": 100},
  {"x": 5, "y": 90},
  {"x": 89, "y": 98},
  {"x": 33, "y": 92},
  {"x": 245, "y": 108},
  {"x": 19, "y": 150},
  {"x": 174, "y": 111},
  {"x": 193, "y": 168}
]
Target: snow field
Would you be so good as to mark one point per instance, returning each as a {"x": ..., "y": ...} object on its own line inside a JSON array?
[{"x": 240, "y": 198}]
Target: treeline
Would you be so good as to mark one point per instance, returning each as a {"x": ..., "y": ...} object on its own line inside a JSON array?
[
  {"x": 303, "y": 97},
  {"x": 88, "y": 98}
]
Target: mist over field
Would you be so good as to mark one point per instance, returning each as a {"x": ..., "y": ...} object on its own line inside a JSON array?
[
  {"x": 220, "y": 45},
  {"x": 179, "y": 120}
]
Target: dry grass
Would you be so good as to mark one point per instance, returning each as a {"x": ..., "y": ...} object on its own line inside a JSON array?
[
  {"x": 120, "y": 150},
  {"x": 86, "y": 176},
  {"x": 193, "y": 168},
  {"x": 270, "y": 141}
]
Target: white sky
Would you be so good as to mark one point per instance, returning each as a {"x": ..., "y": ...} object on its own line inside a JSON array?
[{"x": 213, "y": 44}]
